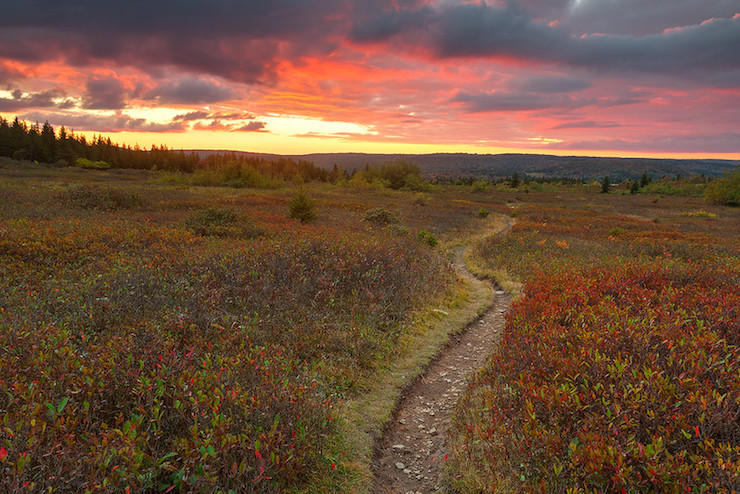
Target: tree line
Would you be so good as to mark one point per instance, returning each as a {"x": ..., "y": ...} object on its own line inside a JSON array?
[{"x": 43, "y": 144}]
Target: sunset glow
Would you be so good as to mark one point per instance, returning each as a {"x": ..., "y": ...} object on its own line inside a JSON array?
[{"x": 576, "y": 77}]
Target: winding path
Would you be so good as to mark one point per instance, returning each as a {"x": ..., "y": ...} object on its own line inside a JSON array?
[{"x": 411, "y": 453}]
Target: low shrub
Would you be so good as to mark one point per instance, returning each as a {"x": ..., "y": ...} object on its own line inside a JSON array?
[
  {"x": 380, "y": 216},
  {"x": 301, "y": 207},
  {"x": 219, "y": 222},
  {"x": 100, "y": 198},
  {"x": 428, "y": 238}
]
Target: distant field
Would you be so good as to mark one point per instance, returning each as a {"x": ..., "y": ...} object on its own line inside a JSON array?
[{"x": 619, "y": 370}]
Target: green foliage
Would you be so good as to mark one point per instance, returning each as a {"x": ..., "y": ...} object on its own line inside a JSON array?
[
  {"x": 674, "y": 188},
  {"x": 93, "y": 165},
  {"x": 725, "y": 190},
  {"x": 100, "y": 198},
  {"x": 427, "y": 237},
  {"x": 483, "y": 213},
  {"x": 301, "y": 207},
  {"x": 514, "y": 183},
  {"x": 480, "y": 186},
  {"x": 220, "y": 222},
  {"x": 399, "y": 174},
  {"x": 380, "y": 216},
  {"x": 605, "y": 184}
]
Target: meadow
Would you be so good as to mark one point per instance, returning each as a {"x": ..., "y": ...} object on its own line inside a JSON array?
[
  {"x": 160, "y": 335},
  {"x": 619, "y": 368}
]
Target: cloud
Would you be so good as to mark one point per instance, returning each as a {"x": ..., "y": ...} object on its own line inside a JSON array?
[
  {"x": 586, "y": 124},
  {"x": 690, "y": 143},
  {"x": 190, "y": 116},
  {"x": 22, "y": 101},
  {"x": 105, "y": 93},
  {"x": 553, "y": 84},
  {"x": 484, "y": 31},
  {"x": 241, "y": 41},
  {"x": 103, "y": 123},
  {"x": 252, "y": 126},
  {"x": 190, "y": 90},
  {"x": 502, "y": 101},
  {"x": 220, "y": 125}
]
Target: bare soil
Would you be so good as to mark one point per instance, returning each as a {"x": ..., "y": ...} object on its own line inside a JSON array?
[{"x": 410, "y": 455}]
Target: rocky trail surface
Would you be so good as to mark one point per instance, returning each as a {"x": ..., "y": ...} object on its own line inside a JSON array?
[{"x": 411, "y": 453}]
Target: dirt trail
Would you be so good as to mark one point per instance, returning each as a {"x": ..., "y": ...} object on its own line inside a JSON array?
[{"x": 410, "y": 455}]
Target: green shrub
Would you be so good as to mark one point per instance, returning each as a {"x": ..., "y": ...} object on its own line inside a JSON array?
[
  {"x": 427, "y": 237},
  {"x": 216, "y": 222},
  {"x": 302, "y": 208},
  {"x": 380, "y": 216},
  {"x": 100, "y": 198},
  {"x": 479, "y": 186},
  {"x": 725, "y": 190},
  {"x": 93, "y": 165},
  {"x": 483, "y": 213}
]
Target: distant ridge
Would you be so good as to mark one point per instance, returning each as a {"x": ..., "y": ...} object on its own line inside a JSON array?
[{"x": 491, "y": 166}]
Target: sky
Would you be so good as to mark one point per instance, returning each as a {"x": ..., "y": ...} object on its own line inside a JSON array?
[{"x": 654, "y": 78}]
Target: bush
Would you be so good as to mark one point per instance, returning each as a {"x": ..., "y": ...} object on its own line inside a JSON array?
[
  {"x": 380, "y": 216},
  {"x": 100, "y": 198},
  {"x": 92, "y": 165},
  {"x": 218, "y": 222},
  {"x": 483, "y": 213},
  {"x": 302, "y": 208},
  {"x": 725, "y": 190},
  {"x": 426, "y": 237}
]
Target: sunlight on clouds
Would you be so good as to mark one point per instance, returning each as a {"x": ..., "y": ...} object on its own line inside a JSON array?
[{"x": 288, "y": 125}]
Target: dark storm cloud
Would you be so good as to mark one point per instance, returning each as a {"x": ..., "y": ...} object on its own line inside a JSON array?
[
  {"x": 21, "y": 101},
  {"x": 190, "y": 90},
  {"x": 479, "y": 30},
  {"x": 241, "y": 41},
  {"x": 103, "y": 123},
  {"x": 105, "y": 93}
]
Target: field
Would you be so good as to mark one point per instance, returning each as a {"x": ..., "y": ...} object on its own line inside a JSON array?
[
  {"x": 619, "y": 368},
  {"x": 161, "y": 336}
]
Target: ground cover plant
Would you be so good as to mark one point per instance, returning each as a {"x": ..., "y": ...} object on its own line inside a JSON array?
[
  {"x": 198, "y": 340},
  {"x": 619, "y": 368}
]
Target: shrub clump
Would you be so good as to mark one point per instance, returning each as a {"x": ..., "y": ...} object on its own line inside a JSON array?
[
  {"x": 483, "y": 213},
  {"x": 100, "y": 198},
  {"x": 218, "y": 222},
  {"x": 302, "y": 208},
  {"x": 725, "y": 190},
  {"x": 426, "y": 237},
  {"x": 381, "y": 216}
]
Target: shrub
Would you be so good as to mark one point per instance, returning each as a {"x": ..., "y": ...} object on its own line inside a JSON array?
[
  {"x": 93, "y": 165},
  {"x": 219, "y": 222},
  {"x": 725, "y": 190},
  {"x": 100, "y": 198},
  {"x": 302, "y": 208},
  {"x": 479, "y": 186},
  {"x": 427, "y": 237},
  {"x": 483, "y": 213},
  {"x": 380, "y": 216}
]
